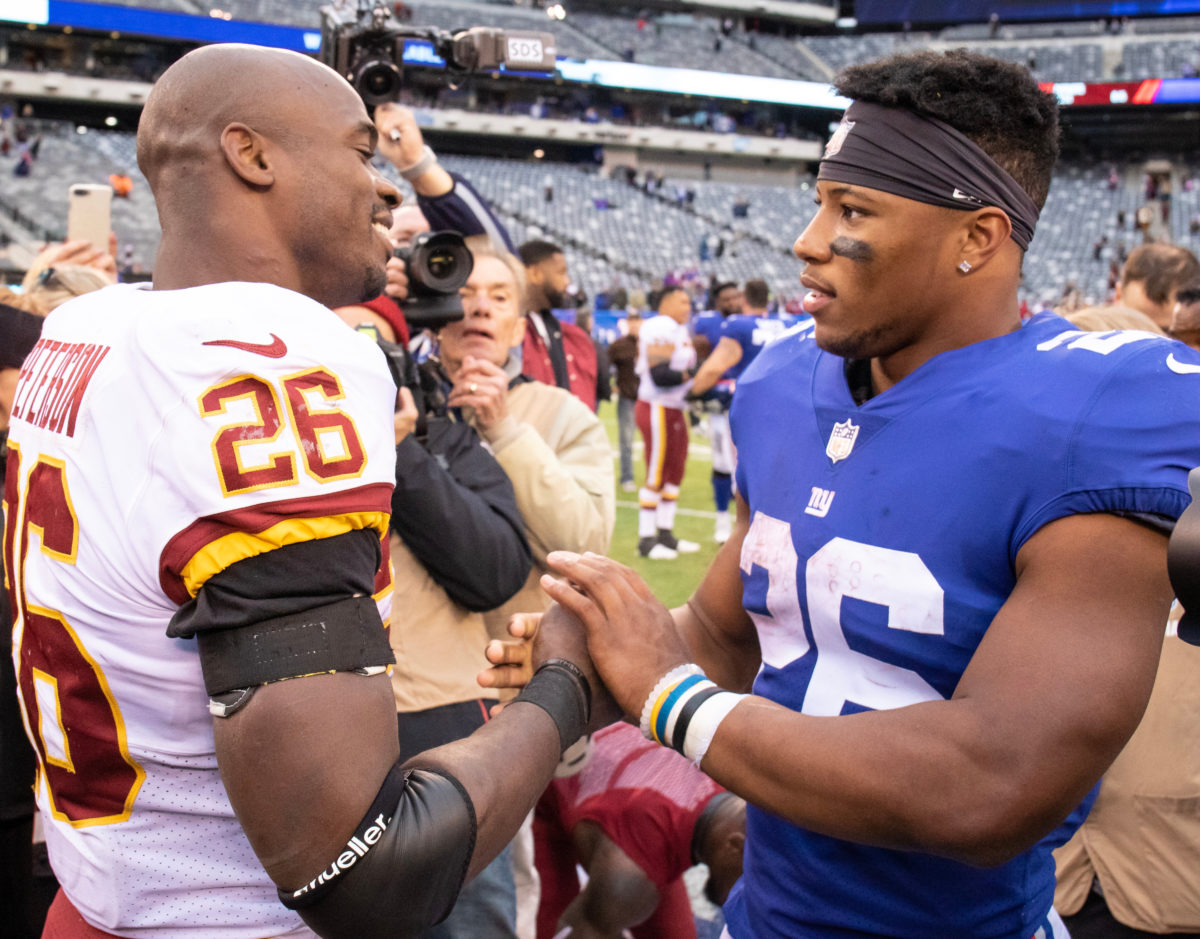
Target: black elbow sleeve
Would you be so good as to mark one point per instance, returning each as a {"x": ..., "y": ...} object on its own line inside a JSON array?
[
  {"x": 666, "y": 377},
  {"x": 401, "y": 871}
]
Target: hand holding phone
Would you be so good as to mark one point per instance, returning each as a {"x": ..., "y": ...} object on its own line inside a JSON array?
[{"x": 89, "y": 214}]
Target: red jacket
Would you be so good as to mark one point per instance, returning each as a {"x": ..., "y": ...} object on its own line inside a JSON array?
[{"x": 579, "y": 354}]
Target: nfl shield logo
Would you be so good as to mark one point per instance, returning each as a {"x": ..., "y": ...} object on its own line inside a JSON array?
[
  {"x": 841, "y": 440},
  {"x": 838, "y": 138}
]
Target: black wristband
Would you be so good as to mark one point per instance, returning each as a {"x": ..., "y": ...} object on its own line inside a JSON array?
[{"x": 560, "y": 689}]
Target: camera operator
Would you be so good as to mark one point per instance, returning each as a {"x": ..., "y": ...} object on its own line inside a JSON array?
[
  {"x": 447, "y": 200},
  {"x": 553, "y": 352}
]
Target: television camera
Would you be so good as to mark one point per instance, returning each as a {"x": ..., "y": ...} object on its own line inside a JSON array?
[{"x": 364, "y": 42}]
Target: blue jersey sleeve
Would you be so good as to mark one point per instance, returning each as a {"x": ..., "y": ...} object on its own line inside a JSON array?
[{"x": 1133, "y": 440}]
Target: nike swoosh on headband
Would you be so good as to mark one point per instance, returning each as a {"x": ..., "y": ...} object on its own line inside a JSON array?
[{"x": 276, "y": 349}]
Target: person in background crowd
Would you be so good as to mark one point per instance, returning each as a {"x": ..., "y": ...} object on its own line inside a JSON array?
[
  {"x": 552, "y": 351},
  {"x": 163, "y": 817},
  {"x": 122, "y": 184},
  {"x": 635, "y": 817},
  {"x": 742, "y": 337},
  {"x": 666, "y": 361},
  {"x": 623, "y": 354},
  {"x": 1185, "y": 316},
  {"x": 19, "y": 331},
  {"x": 54, "y": 286},
  {"x": 1151, "y": 275},
  {"x": 72, "y": 254},
  {"x": 940, "y": 614}
]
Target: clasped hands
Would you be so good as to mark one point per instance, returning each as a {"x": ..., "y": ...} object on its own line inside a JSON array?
[{"x": 604, "y": 612}]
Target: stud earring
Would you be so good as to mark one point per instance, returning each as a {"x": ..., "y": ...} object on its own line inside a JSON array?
[{"x": 964, "y": 266}]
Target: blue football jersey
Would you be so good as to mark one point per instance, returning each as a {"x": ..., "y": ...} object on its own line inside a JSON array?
[
  {"x": 751, "y": 333},
  {"x": 708, "y": 324},
  {"x": 882, "y": 544}
]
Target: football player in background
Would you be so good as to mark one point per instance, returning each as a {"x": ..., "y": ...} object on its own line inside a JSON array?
[
  {"x": 666, "y": 361},
  {"x": 940, "y": 613},
  {"x": 199, "y": 480},
  {"x": 727, "y": 301},
  {"x": 741, "y": 337},
  {"x": 635, "y": 817}
]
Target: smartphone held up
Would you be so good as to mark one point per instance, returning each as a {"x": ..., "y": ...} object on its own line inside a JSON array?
[{"x": 89, "y": 214}]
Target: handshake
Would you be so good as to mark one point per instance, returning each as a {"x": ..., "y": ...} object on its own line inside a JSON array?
[{"x": 606, "y": 622}]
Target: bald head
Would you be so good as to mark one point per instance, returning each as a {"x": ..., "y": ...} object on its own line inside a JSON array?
[
  {"x": 215, "y": 86},
  {"x": 260, "y": 163}
]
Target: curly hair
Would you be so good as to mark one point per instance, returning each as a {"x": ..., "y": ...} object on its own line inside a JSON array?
[{"x": 996, "y": 104}]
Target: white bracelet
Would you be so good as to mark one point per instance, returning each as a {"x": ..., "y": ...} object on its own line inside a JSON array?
[
  {"x": 418, "y": 169},
  {"x": 674, "y": 675},
  {"x": 703, "y": 725}
]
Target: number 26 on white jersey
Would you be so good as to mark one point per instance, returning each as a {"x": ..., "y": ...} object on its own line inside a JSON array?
[{"x": 898, "y": 580}]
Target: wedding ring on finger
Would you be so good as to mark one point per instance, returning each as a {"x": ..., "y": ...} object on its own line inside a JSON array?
[{"x": 472, "y": 387}]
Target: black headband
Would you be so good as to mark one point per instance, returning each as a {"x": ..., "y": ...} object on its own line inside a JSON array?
[{"x": 923, "y": 159}]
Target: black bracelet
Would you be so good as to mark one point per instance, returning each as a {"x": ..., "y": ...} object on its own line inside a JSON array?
[{"x": 560, "y": 689}]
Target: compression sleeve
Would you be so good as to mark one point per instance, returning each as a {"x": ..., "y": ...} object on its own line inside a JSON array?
[
  {"x": 401, "y": 870},
  {"x": 666, "y": 377}
]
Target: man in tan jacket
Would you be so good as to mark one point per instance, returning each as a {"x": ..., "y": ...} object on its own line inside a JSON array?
[
  {"x": 1133, "y": 868},
  {"x": 553, "y": 448}
]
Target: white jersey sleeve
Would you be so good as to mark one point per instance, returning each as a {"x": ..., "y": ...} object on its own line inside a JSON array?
[{"x": 157, "y": 438}]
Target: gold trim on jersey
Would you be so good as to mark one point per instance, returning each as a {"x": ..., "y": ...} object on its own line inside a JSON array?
[
  {"x": 118, "y": 722},
  {"x": 227, "y": 550},
  {"x": 292, "y": 381},
  {"x": 61, "y": 466},
  {"x": 283, "y": 462},
  {"x": 66, "y": 763}
]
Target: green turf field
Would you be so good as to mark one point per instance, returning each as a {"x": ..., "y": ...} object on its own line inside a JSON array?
[{"x": 673, "y": 581}]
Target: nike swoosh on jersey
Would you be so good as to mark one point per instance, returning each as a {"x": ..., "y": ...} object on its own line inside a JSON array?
[
  {"x": 272, "y": 350},
  {"x": 1181, "y": 368}
]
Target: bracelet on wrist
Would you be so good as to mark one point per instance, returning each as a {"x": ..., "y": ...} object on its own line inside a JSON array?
[
  {"x": 418, "y": 169},
  {"x": 684, "y": 710}
]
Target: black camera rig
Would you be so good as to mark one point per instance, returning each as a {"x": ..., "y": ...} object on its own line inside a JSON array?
[{"x": 362, "y": 40}]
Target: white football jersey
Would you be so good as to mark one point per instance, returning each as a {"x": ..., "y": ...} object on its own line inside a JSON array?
[
  {"x": 157, "y": 438},
  {"x": 659, "y": 330}
]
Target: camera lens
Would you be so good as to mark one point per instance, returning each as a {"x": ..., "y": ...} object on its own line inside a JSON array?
[
  {"x": 441, "y": 264},
  {"x": 439, "y": 261},
  {"x": 377, "y": 81}
]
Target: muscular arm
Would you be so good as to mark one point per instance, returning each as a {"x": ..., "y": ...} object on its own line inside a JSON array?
[
  {"x": 618, "y": 894},
  {"x": 725, "y": 356},
  {"x": 305, "y": 758},
  {"x": 303, "y": 762},
  {"x": 720, "y": 637},
  {"x": 1054, "y": 690}
]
